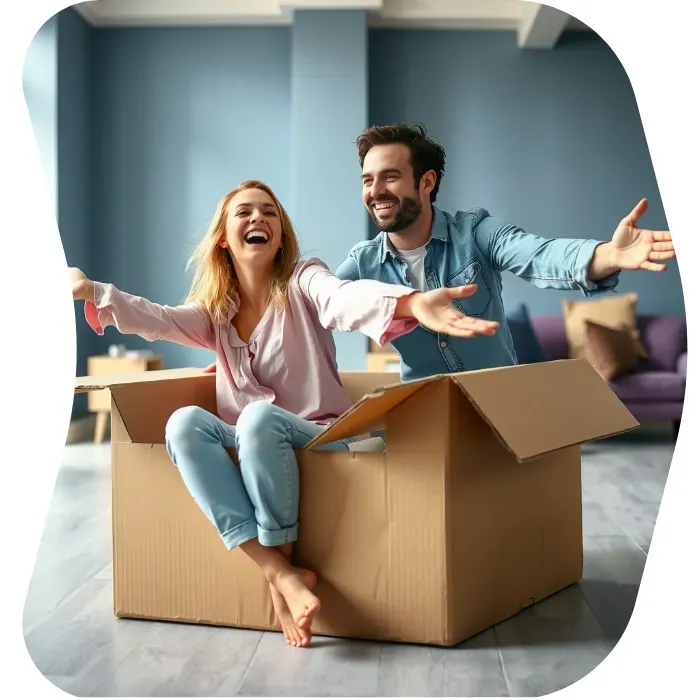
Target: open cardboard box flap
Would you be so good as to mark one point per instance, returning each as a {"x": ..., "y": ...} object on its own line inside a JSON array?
[
  {"x": 146, "y": 400},
  {"x": 533, "y": 409},
  {"x": 114, "y": 381},
  {"x": 367, "y": 413},
  {"x": 543, "y": 407}
]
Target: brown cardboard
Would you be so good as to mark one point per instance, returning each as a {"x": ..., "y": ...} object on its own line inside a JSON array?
[
  {"x": 110, "y": 380},
  {"x": 505, "y": 398},
  {"x": 100, "y": 401},
  {"x": 472, "y": 512},
  {"x": 543, "y": 407},
  {"x": 532, "y": 511}
]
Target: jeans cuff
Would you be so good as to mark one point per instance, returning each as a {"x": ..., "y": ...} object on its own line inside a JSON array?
[
  {"x": 274, "y": 538},
  {"x": 240, "y": 534}
]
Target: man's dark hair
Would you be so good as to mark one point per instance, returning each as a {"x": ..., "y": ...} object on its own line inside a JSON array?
[{"x": 426, "y": 154}]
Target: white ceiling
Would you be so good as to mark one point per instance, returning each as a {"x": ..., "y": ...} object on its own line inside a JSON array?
[{"x": 536, "y": 25}]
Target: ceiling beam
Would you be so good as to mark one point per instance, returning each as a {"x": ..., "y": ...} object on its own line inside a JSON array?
[
  {"x": 537, "y": 25},
  {"x": 448, "y": 14},
  {"x": 155, "y": 13},
  {"x": 331, "y": 4},
  {"x": 207, "y": 12},
  {"x": 85, "y": 10},
  {"x": 540, "y": 26}
]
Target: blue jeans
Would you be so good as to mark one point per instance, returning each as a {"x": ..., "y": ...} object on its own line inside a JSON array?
[{"x": 259, "y": 499}]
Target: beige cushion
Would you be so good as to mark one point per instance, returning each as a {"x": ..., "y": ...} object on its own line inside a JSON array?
[
  {"x": 618, "y": 311},
  {"x": 611, "y": 352}
]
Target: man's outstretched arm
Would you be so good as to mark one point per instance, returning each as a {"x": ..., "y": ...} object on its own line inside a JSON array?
[{"x": 590, "y": 265}]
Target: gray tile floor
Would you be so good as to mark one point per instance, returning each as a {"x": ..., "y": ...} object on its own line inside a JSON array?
[{"x": 77, "y": 644}]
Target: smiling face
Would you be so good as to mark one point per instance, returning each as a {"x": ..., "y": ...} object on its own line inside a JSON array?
[
  {"x": 389, "y": 188},
  {"x": 253, "y": 228}
]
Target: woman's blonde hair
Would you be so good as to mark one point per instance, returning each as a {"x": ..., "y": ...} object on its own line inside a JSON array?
[{"x": 215, "y": 283}]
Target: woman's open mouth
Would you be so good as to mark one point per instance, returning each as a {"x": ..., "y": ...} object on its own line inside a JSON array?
[{"x": 256, "y": 237}]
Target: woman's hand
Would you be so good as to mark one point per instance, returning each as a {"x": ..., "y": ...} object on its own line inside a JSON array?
[
  {"x": 435, "y": 311},
  {"x": 83, "y": 288}
]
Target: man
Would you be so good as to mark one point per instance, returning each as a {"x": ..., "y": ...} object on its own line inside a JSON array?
[{"x": 424, "y": 247}]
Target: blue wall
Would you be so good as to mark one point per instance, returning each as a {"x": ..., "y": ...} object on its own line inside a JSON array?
[
  {"x": 179, "y": 118},
  {"x": 329, "y": 57},
  {"x": 56, "y": 84},
  {"x": 550, "y": 141},
  {"x": 74, "y": 165},
  {"x": 40, "y": 87},
  {"x": 152, "y": 126}
]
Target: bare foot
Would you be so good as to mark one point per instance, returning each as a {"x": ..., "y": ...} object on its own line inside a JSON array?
[
  {"x": 293, "y": 634},
  {"x": 295, "y": 586}
]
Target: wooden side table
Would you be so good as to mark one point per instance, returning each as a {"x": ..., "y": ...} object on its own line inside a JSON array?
[{"x": 100, "y": 402}]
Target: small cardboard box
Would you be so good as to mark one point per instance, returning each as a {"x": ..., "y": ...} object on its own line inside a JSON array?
[{"x": 472, "y": 513}]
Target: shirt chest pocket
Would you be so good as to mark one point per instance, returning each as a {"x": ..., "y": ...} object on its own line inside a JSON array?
[{"x": 478, "y": 303}]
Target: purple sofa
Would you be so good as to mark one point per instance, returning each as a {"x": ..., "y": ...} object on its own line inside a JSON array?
[{"x": 656, "y": 391}]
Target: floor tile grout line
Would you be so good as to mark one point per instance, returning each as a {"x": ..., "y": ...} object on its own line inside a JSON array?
[
  {"x": 627, "y": 534},
  {"x": 639, "y": 546},
  {"x": 617, "y": 524},
  {"x": 247, "y": 666},
  {"x": 66, "y": 599},
  {"x": 606, "y": 638},
  {"x": 597, "y": 619},
  {"x": 606, "y": 515},
  {"x": 502, "y": 664}
]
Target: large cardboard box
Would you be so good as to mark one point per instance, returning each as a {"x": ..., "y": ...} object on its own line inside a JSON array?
[
  {"x": 100, "y": 402},
  {"x": 472, "y": 513}
]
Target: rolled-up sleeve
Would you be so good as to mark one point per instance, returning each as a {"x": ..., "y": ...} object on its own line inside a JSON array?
[{"x": 549, "y": 263}]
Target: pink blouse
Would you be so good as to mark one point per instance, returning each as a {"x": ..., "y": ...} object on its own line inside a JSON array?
[{"x": 289, "y": 359}]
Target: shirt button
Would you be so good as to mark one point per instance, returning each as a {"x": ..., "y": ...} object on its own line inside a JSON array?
[{"x": 443, "y": 343}]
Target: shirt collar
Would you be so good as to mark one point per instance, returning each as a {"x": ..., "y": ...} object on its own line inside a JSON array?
[{"x": 438, "y": 230}]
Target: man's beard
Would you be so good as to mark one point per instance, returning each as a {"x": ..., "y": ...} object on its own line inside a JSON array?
[{"x": 409, "y": 210}]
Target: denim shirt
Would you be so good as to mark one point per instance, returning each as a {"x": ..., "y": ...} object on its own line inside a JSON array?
[{"x": 473, "y": 247}]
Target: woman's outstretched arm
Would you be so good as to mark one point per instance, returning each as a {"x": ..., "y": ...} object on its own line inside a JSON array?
[{"x": 105, "y": 305}]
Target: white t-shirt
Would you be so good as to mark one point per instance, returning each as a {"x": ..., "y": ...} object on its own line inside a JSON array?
[{"x": 415, "y": 262}]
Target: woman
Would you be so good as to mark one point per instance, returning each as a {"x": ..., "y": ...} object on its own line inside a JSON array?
[{"x": 268, "y": 316}]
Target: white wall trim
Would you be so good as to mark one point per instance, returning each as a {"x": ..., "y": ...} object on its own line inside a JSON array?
[
  {"x": 540, "y": 26},
  {"x": 537, "y": 25},
  {"x": 87, "y": 12}
]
